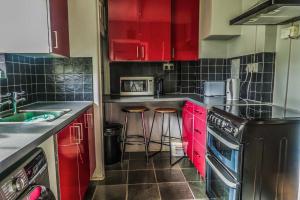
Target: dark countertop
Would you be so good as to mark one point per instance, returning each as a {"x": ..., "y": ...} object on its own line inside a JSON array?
[
  {"x": 16, "y": 140},
  {"x": 195, "y": 98}
]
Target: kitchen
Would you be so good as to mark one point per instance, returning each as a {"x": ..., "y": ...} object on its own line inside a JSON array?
[{"x": 140, "y": 99}]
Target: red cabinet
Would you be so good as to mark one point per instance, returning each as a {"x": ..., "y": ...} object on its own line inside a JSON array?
[
  {"x": 194, "y": 134},
  {"x": 89, "y": 126},
  {"x": 185, "y": 30},
  {"x": 188, "y": 124},
  {"x": 139, "y": 30},
  {"x": 59, "y": 27},
  {"x": 75, "y": 149}
]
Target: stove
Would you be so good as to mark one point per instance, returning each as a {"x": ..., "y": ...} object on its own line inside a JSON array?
[{"x": 253, "y": 152}]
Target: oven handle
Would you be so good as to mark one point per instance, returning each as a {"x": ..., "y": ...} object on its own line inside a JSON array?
[
  {"x": 224, "y": 141},
  {"x": 220, "y": 175}
]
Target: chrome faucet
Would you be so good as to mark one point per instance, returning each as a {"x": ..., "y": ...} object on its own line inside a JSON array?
[
  {"x": 15, "y": 100},
  {"x": 8, "y": 102}
]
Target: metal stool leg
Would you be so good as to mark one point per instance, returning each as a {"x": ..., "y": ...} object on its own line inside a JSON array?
[
  {"x": 180, "y": 130},
  {"x": 145, "y": 136},
  {"x": 162, "y": 132},
  {"x": 154, "y": 115},
  {"x": 170, "y": 148},
  {"x": 124, "y": 137}
]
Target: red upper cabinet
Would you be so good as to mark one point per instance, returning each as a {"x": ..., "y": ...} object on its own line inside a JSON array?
[
  {"x": 139, "y": 30},
  {"x": 59, "y": 27},
  {"x": 123, "y": 23},
  {"x": 185, "y": 30},
  {"x": 155, "y": 30}
]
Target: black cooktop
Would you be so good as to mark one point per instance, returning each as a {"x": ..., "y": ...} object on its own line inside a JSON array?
[{"x": 260, "y": 112}]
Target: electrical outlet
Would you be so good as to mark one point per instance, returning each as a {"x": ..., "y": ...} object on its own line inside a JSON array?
[
  {"x": 252, "y": 68},
  {"x": 168, "y": 67}
]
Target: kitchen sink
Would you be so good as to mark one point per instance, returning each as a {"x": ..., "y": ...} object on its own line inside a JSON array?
[{"x": 34, "y": 116}]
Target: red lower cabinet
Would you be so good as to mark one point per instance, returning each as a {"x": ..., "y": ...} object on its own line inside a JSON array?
[
  {"x": 74, "y": 152},
  {"x": 194, "y": 134},
  {"x": 187, "y": 135}
]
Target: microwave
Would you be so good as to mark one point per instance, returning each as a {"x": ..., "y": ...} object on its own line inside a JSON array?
[{"x": 136, "y": 86}]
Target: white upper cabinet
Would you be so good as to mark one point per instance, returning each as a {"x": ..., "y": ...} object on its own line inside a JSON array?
[
  {"x": 29, "y": 26},
  {"x": 215, "y": 17}
]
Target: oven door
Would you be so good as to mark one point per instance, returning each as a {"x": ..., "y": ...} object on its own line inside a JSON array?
[
  {"x": 226, "y": 151},
  {"x": 220, "y": 184}
]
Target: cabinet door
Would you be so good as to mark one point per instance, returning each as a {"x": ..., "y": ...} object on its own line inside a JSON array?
[
  {"x": 155, "y": 30},
  {"x": 188, "y": 132},
  {"x": 123, "y": 30},
  {"x": 68, "y": 157},
  {"x": 185, "y": 29},
  {"x": 84, "y": 161},
  {"x": 89, "y": 125},
  {"x": 59, "y": 27}
]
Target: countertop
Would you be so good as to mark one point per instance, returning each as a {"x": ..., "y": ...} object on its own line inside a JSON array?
[
  {"x": 19, "y": 139},
  {"x": 195, "y": 98}
]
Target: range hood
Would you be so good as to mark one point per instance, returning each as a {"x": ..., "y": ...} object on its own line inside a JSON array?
[{"x": 270, "y": 12}]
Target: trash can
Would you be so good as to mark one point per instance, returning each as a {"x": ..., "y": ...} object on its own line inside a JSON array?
[{"x": 112, "y": 139}]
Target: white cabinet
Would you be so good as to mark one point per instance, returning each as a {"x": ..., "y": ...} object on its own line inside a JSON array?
[
  {"x": 25, "y": 26},
  {"x": 215, "y": 17}
]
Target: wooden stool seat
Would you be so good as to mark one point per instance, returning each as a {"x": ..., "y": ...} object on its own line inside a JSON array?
[
  {"x": 135, "y": 109},
  {"x": 166, "y": 110}
]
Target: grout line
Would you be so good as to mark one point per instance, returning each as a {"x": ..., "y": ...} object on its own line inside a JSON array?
[
  {"x": 188, "y": 184},
  {"x": 156, "y": 180},
  {"x": 127, "y": 181}
]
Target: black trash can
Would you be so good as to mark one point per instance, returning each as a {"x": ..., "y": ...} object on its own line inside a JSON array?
[{"x": 112, "y": 139}]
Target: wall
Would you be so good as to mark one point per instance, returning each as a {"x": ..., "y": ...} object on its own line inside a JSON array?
[
  {"x": 48, "y": 79},
  {"x": 287, "y": 55},
  {"x": 85, "y": 42}
]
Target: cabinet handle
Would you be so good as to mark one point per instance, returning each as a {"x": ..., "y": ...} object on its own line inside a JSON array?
[
  {"x": 196, "y": 130},
  {"x": 88, "y": 121},
  {"x": 56, "y": 40},
  {"x": 80, "y": 132},
  {"x": 197, "y": 111},
  {"x": 75, "y": 133},
  {"x": 137, "y": 52},
  {"x": 143, "y": 52},
  {"x": 173, "y": 52}
]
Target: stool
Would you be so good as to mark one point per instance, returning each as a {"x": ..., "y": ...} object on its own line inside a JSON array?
[
  {"x": 164, "y": 111},
  {"x": 137, "y": 110}
]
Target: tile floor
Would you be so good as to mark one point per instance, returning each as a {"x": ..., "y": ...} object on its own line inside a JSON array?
[{"x": 137, "y": 180}]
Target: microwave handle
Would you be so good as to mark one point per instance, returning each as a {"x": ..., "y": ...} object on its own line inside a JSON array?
[
  {"x": 220, "y": 174},
  {"x": 224, "y": 141}
]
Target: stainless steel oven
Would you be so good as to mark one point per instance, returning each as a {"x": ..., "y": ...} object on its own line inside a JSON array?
[
  {"x": 136, "y": 86},
  {"x": 220, "y": 184},
  {"x": 226, "y": 151}
]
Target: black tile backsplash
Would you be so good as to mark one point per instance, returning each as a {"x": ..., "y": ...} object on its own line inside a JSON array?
[
  {"x": 48, "y": 79},
  {"x": 188, "y": 77}
]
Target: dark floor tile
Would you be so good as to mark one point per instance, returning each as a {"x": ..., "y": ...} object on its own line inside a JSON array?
[
  {"x": 114, "y": 178},
  {"x": 143, "y": 191},
  {"x": 198, "y": 189},
  {"x": 186, "y": 163},
  {"x": 162, "y": 155},
  {"x": 110, "y": 192},
  {"x": 140, "y": 164},
  {"x": 175, "y": 191},
  {"x": 117, "y": 166},
  {"x": 191, "y": 174},
  {"x": 164, "y": 164},
  {"x": 169, "y": 175},
  {"x": 137, "y": 156},
  {"x": 126, "y": 156},
  {"x": 141, "y": 176}
]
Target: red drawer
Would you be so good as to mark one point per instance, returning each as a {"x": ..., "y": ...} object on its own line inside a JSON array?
[
  {"x": 200, "y": 112},
  {"x": 200, "y": 131},
  {"x": 189, "y": 106},
  {"x": 199, "y": 158}
]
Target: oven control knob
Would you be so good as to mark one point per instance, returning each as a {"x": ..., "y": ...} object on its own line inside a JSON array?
[{"x": 18, "y": 184}]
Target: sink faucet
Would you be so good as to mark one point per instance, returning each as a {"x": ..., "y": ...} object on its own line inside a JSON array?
[
  {"x": 8, "y": 102},
  {"x": 15, "y": 100}
]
